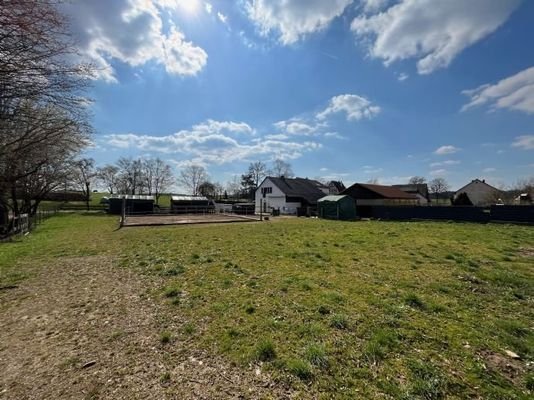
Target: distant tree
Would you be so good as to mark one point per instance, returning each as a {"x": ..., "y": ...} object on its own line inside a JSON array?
[
  {"x": 373, "y": 181},
  {"x": 252, "y": 178},
  {"x": 233, "y": 187},
  {"x": 108, "y": 176},
  {"x": 248, "y": 185},
  {"x": 438, "y": 186},
  {"x": 207, "y": 189},
  {"x": 417, "y": 180},
  {"x": 131, "y": 179},
  {"x": 84, "y": 175},
  {"x": 219, "y": 190},
  {"x": 257, "y": 171},
  {"x": 158, "y": 177},
  {"x": 281, "y": 168},
  {"x": 191, "y": 177}
]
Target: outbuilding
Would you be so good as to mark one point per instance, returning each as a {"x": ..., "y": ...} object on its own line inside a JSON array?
[
  {"x": 337, "y": 207},
  {"x": 184, "y": 204},
  {"x": 135, "y": 204}
]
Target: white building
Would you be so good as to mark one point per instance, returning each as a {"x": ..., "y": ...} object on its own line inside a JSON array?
[
  {"x": 479, "y": 193},
  {"x": 288, "y": 194}
]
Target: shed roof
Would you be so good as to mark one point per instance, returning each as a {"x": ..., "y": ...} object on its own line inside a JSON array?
[
  {"x": 132, "y": 197},
  {"x": 307, "y": 189},
  {"x": 385, "y": 192},
  {"x": 333, "y": 197},
  {"x": 188, "y": 198}
]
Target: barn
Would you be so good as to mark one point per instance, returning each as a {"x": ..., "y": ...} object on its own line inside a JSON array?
[
  {"x": 184, "y": 204},
  {"x": 135, "y": 204},
  {"x": 340, "y": 207},
  {"x": 366, "y": 196}
]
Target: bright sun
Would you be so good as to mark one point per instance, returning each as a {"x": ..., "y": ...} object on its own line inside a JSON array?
[{"x": 189, "y": 6}]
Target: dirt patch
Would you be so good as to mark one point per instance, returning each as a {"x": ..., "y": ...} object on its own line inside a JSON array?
[
  {"x": 526, "y": 252},
  {"x": 187, "y": 219},
  {"x": 86, "y": 329},
  {"x": 508, "y": 367}
]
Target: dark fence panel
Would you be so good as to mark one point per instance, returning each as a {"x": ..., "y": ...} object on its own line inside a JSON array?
[
  {"x": 472, "y": 214},
  {"x": 513, "y": 213}
]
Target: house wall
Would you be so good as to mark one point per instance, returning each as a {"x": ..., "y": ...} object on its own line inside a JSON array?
[
  {"x": 480, "y": 193},
  {"x": 275, "y": 200}
]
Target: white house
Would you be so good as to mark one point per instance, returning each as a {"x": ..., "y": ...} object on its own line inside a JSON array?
[
  {"x": 288, "y": 194},
  {"x": 479, "y": 193}
]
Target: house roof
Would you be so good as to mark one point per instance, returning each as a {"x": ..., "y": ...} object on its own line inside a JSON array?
[
  {"x": 386, "y": 192},
  {"x": 421, "y": 188},
  {"x": 307, "y": 189},
  {"x": 483, "y": 181},
  {"x": 332, "y": 197},
  {"x": 338, "y": 185}
]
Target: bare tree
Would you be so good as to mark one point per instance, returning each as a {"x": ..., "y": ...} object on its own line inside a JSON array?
[
  {"x": 37, "y": 50},
  {"x": 438, "y": 186},
  {"x": 191, "y": 177},
  {"x": 158, "y": 177},
  {"x": 108, "y": 176},
  {"x": 233, "y": 187},
  {"x": 43, "y": 114},
  {"x": 281, "y": 168},
  {"x": 84, "y": 174},
  {"x": 130, "y": 176},
  {"x": 373, "y": 181},
  {"x": 417, "y": 180},
  {"x": 41, "y": 143},
  {"x": 257, "y": 171}
]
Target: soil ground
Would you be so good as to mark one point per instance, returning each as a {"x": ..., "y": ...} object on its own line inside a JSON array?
[
  {"x": 72, "y": 332},
  {"x": 186, "y": 219}
]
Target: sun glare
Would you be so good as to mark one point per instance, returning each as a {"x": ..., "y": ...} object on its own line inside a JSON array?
[{"x": 190, "y": 6}]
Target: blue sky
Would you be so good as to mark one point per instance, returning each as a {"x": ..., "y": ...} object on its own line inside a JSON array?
[{"x": 342, "y": 89}]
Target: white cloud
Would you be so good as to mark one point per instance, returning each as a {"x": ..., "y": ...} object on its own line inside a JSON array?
[
  {"x": 446, "y": 150},
  {"x": 444, "y": 163},
  {"x": 525, "y": 142},
  {"x": 131, "y": 31},
  {"x": 489, "y": 169},
  {"x": 293, "y": 19},
  {"x": 434, "y": 32},
  {"x": 354, "y": 106},
  {"x": 208, "y": 7},
  {"x": 369, "y": 169},
  {"x": 223, "y": 18},
  {"x": 402, "y": 76},
  {"x": 215, "y": 142},
  {"x": 296, "y": 126},
  {"x": 372, "y": 6},
  {"x": 439, "y": 172},
  {"x": 515, "y": 93}
]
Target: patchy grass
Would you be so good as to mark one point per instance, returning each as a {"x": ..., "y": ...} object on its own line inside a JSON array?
[{"x": 354, "y": 310}]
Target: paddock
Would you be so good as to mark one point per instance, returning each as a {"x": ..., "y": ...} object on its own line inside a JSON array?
[{"x": 186, "y": 219}]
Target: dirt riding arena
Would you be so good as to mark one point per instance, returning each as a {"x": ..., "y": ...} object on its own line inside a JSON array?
[{"x": 186, "y": 219}]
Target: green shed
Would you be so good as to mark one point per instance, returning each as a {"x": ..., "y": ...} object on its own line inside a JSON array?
[{"x": 337, "y": 207}]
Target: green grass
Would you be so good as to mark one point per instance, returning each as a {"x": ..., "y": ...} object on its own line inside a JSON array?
[{"x": 338, "y": 309}]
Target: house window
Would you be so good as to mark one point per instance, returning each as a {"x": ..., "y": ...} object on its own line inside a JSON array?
[{"x": 266, "y": 190}]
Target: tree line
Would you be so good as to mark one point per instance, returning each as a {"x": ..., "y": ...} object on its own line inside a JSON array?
[{"x": 44, "y": 118}]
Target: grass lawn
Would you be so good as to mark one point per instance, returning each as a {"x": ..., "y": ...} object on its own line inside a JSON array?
[{"x": 333, "y": 309}]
